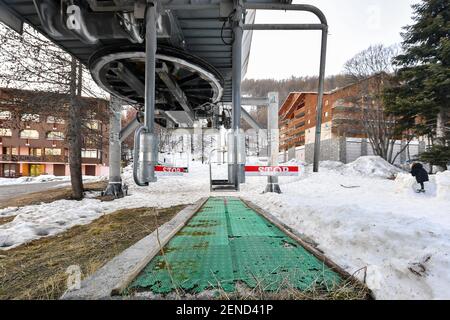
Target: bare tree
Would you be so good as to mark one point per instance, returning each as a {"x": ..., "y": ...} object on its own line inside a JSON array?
[
  {"x": 372, "y": 69},
  {"x": 373, "y": 60},
  {"x": 31, "y": 61},
  {"x": 74, "y": 130},
  {"x": 365, "y": 115}
]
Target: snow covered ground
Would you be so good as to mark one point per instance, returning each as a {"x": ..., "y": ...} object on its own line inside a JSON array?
[
  {"x": 44, "y": 178},
  {"x": 355, "y": 214}
]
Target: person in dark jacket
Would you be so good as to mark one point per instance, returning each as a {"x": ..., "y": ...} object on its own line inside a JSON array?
[{"x": 421, "y": 175}]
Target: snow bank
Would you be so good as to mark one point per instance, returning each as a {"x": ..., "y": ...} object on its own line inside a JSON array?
[
  {"x": 401, "y": 238},
  {"x": 372, "y": 166},
  {"x": 45, "y": 178},
  {"x": 32, "y": 222},
  {"x": 405, "y": 183},
  {"x": 443, "y": 185}
]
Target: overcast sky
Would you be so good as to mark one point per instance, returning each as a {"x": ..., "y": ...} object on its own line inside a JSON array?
[{"x": 354, "y": 26}]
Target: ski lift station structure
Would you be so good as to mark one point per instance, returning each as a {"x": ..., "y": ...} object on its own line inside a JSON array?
[{"x": 176, "y": 61}]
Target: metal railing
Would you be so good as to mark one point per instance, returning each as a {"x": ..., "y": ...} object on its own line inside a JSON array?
[{"x": 31, "y": 158}]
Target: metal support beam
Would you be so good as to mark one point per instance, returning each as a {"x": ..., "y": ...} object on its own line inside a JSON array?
[
  {"x": 249, "y": 119},
  {"x": 10, "y": 19},
  {"x": 176, "y": 91},
  {"x": 168, "y": 117},
  {"x": 283, "y": 26},
  {"x": 254, "y": 101},
  {"x": 129, "y": 129},
  {"x": 115, "y": 187},
  {"x": 320, "y": 100},
  {"x": 236, "y": 92},
  {"x": 323, "y": 26},
  {"x": 130, "y": 79},
  {"x": 145, "y": 142},
  {"x": 273, "y": 139}
]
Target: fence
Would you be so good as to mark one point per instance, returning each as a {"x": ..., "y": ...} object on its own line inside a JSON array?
[{"x": 348, "y": 150}]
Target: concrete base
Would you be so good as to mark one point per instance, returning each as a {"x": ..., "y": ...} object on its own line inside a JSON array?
[
  {"x": 115, "y": 276},
  {"x": 116, "y": 189},
  {"x": 272, "y": 188}
]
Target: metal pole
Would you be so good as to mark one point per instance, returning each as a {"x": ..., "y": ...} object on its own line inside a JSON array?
[
  {"x": 283, "y": 26},
  {"x": 318, "y": 13},
  {"x": 148, "y": 141},
  {"x": 114, "y": 187},
  {"x": 323, "y": 57},
  {"x": 150, "y": 68},
  {"x": 273, "y": 135},
  {"x": 236, "y": 89}
]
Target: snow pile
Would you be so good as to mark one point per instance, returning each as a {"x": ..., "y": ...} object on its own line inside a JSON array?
[
  {"x": 372, "y": 166},
  {"x": 46, "y": 178},
  {"x": 32, "y": 222},
  {"x": 405, "y": 183},
  {"x": 400, "y": 237},
  {"x": 443, "y": 185},
  {"x": 332, "y": 165},
  {"x": 295, "y": 162}
]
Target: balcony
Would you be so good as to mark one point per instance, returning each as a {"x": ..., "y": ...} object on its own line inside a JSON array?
[
  {"x": 27, "y": 158},
  {"x": 91, "y": 160}
]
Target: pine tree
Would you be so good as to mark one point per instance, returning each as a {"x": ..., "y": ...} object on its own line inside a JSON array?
[{"x": 421, "y": 100}]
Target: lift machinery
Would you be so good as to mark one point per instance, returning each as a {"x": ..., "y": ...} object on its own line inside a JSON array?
[{"x": 174, "y": 60}]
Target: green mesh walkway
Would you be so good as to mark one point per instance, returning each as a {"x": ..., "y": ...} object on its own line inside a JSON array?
[{"x": 226, "y": 242}]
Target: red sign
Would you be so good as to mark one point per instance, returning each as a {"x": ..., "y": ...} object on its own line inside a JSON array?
[
  {"x": 278, "y": 171},
  {"x": 171, "y": 171}
]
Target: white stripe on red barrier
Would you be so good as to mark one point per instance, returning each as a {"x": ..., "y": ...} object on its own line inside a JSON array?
[
  {"x": 171, "y": 171},
  {"x": 278, "y": 171}
]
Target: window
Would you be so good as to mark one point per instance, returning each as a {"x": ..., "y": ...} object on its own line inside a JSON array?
[
  {"x": 9, "y": 170},
  {"x": 52, "y": 152},
  {"x": 89, "y": 154},
  {"x": 5, "y": 132},
  {"x": 29, "y": 117},
  {"x": 29, "y": 134},
  {"x": 37, "y": 152},
  {"x": 52, "y": 119},
  {"x": 93, "y": 125},
  {"x": 90, "y": 141},
  {"x": 55, "y": 135},
  {"x": 5, "y": 115}
]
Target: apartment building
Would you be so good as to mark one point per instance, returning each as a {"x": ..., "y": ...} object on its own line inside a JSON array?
[
  {"x": 33, "y": 135},
  {"x": 343, "y": 137}
]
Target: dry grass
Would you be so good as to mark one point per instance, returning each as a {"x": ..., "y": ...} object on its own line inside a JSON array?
[
  {"x": 48, "y": 196},
  {"x": 348, "y": 290},
  {"x": 4, "y": 220},
  {"x": 37, "y": 270}
]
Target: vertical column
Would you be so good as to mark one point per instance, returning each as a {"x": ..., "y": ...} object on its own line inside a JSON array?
[
  {"x": 236, "y": 93},
  {"x": 148, "y": 140},
  {"x": 274, "y": 138},
  {"x": 114, "y": 187},
  {"x": 323, "y": 56}
]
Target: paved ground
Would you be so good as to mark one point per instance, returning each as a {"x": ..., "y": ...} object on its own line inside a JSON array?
[{"x": 9, "y": 191}]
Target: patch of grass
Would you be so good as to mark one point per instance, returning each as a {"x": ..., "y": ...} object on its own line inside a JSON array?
[
  {"x": 348, "y": 290},
  {"x": 48, "y": 196},
  {"x": 37, "y": 270},
  {"x": 4, "y": 220}
]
